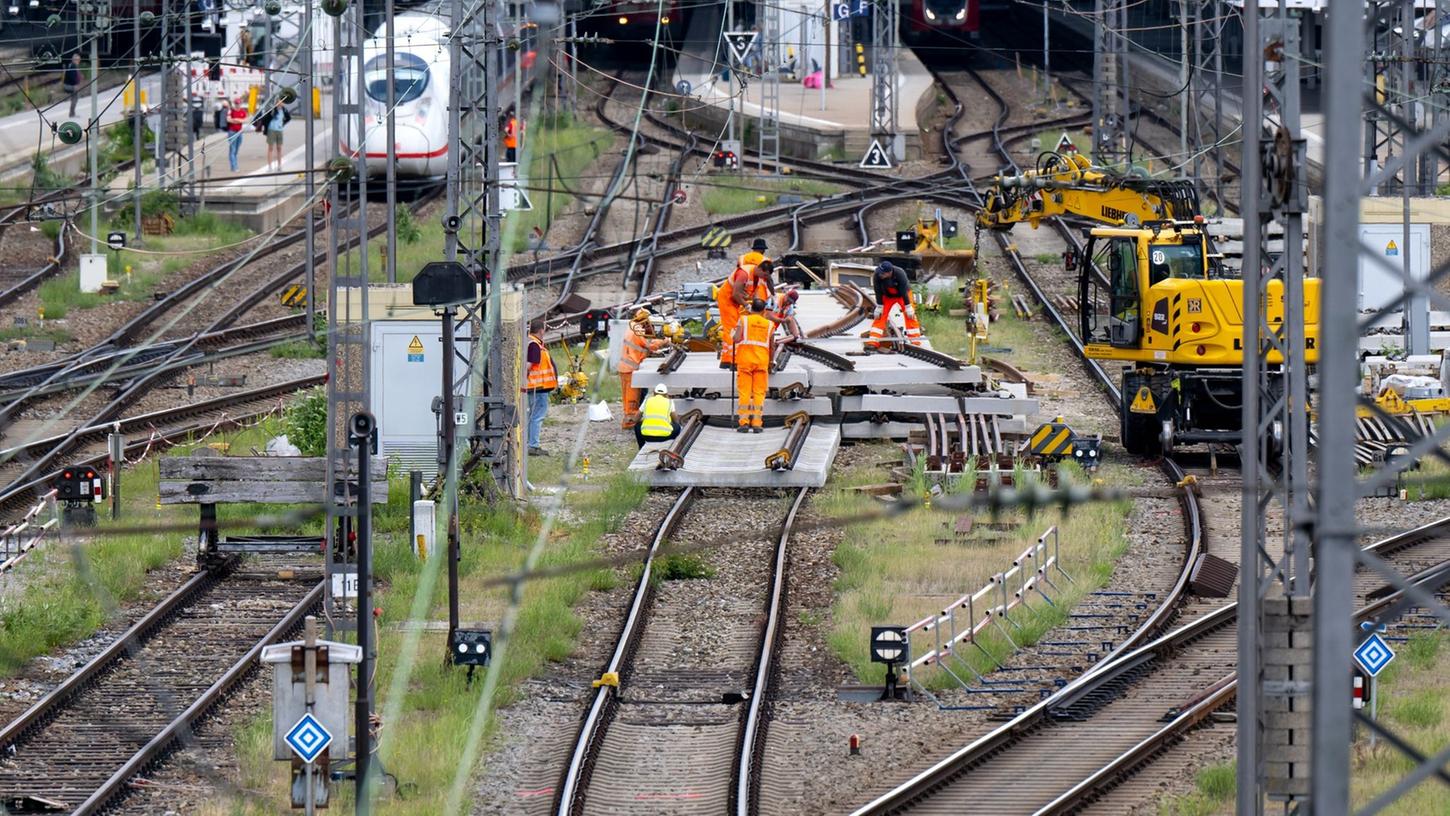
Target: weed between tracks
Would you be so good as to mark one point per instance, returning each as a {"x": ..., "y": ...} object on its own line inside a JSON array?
[
  {"x": 192, "y": 236},
  {"x": 902, "y": 569},
  {"x": 1213, "y": 793},
  {"x": 726, "y": 196},
  {"x": 561, "y": 149}
]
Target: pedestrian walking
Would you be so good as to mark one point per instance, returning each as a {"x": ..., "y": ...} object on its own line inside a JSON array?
[
  {"x": 658, "y": 420},
  {"x": 72, "y": 81},
  {"x": 753, "y": 351},
  {"x": 893, "y": 291},
  {"x": 639, "y": 343},
  {"x": 236, "y": 121},
  {"x": 542, "y": 380}
]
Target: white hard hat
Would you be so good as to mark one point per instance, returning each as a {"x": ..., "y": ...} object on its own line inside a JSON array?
[{"x": 661, "y": 388}]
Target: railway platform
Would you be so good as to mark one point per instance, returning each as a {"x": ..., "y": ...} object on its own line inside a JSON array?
[{"x": 814, "y": 122}]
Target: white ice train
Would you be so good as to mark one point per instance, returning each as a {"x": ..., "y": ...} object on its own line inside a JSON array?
[{"x": 421, "y": 64}]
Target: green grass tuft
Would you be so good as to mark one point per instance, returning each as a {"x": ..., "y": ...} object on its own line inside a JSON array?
[{"x": 682, "y": 567}]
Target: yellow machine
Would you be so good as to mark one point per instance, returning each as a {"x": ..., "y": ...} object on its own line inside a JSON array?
[
  {"x": 932, "y": 253},
  {"x": 1151, "y": 294},
  {"x": 574, "y": 384}
]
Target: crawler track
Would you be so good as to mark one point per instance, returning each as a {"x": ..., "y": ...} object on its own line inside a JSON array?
[
  {"x": 682, "y": 731},
  {"x": 123, "y": 712}
]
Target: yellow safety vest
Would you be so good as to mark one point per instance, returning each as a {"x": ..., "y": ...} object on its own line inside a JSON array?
[{"x": 655, "y": 420}]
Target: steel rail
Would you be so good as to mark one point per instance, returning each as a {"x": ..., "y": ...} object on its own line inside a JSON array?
[
  {"x": 63, "y": 444},
  {"x": 1220, "y": 692},
  {"x": 752, "y": 733},
  {"x": 569, "y": 793}
]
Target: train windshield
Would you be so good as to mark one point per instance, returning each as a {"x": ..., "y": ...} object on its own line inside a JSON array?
[{"x": 410, "y": 77}]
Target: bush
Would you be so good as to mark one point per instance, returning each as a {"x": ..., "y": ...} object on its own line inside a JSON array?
[
  {"x": 408, "y": 230},
  {"x": 44, "y": 178},
  {"x": 306, "y": 423},
  {"x": 160, "y": 202}
]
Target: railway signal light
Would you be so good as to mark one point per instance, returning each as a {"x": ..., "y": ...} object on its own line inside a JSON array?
[
  {"x": 471, "y": 648},
  {"x": 334, "y": 8}
]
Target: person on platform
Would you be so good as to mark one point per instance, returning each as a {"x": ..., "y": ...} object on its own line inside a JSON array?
[
  {"x": 893, "y": 291},
  {"x": 236, "y": 121},
  {"x": 639, "y": 343},
  {"x": 272, "y": 123},
  {"x": 658, "y": 421},
  {"x": 542, "y": 380},
  {"x": 72, "y": 81},
  {"x": 754, "y": 347}
]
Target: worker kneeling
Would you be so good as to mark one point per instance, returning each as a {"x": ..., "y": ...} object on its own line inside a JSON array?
[
  {"x": 658, "y": 421},
  {"x": 753, "y": 347},
  {"x": 893, "y": 290}
]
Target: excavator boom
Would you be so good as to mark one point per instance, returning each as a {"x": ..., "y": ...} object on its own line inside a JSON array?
[{"x": 1070, "y": 185}]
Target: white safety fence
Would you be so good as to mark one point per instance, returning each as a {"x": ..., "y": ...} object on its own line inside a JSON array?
[
  {"x": 941, "y": 636},
  {"x": 22, "y": 537}
]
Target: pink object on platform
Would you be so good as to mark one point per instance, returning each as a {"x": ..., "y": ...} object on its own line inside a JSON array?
[{"x": 812, "y": 80}]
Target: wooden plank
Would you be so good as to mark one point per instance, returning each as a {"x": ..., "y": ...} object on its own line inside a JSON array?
[
  {"x": 182, "y": 492},
  {"x": 251, "y": 468}
]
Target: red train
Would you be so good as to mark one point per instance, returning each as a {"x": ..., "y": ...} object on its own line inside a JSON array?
[
  {"x": 634, "y": 21},
  {"x": 942, "y": 17}
]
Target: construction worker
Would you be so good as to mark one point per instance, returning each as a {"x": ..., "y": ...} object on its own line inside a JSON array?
[
  {"x": 754, "y": 341},
  {"x": 541, "y": 382},
  {"x": 893, "y": 290},
  {"x": 639, "y": 343},
  {"x": 783, "y": 314},
  {"x": 747, "y": 282},
  {"x": 511, "y": 138},
  {"x": 755, "y": 255},
  {"x": 658, "y": 421}
]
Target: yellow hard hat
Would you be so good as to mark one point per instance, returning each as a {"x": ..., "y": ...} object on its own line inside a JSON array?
[{"x": 641, "y": 315}]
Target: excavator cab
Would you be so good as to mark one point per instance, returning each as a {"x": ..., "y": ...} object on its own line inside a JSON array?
[{"x": 1123, "y": 271}]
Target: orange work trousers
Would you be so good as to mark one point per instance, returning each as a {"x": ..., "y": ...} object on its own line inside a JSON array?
[
  {"x": 751, "y": 381},
  {"x": 878, "y": 329},
  {"x": 631, "y": 397},
  {"x": 729, "y": 318}
]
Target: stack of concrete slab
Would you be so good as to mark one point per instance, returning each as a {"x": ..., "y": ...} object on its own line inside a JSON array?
[{"x": 721, "y": 457}]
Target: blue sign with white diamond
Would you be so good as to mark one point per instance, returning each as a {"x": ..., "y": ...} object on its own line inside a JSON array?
[
  {"x": 308, "y": 738},
  {"x": 1373, "y": 655}
]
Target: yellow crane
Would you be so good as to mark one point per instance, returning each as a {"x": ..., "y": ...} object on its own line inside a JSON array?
[{"x": 1163, "y": 307}]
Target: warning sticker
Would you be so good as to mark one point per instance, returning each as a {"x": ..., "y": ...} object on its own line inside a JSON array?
[
  {"x": 1392, "y": 249},
  {"x": 415, "y": 350}
]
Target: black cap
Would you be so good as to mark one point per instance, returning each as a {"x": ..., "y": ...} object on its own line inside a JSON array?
[
  {"x": 884, "y": 266},
  {"x": 758, "y": 245}
]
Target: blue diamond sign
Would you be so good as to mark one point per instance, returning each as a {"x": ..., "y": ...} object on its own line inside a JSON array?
[
  {"x": 308, "y": 738},
  {"x": 1373, "y": 655}
]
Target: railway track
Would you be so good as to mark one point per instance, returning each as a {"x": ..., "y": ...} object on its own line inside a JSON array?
[
  {"x": 1024, "y": 747},
  {"x": 82, "y": 744},
  {"x": 677, "y": 725}
]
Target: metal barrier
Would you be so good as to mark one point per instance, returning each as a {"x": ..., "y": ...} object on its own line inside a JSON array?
[
  {"x": 961, "y": 621},
  {"x": 22, "y": 537}
]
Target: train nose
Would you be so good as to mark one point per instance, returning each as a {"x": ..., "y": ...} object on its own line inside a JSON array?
[{"x": 410, "y": 141}]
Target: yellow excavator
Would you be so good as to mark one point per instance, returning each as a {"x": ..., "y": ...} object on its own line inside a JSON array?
[{"x": 1163, "y": 306}]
